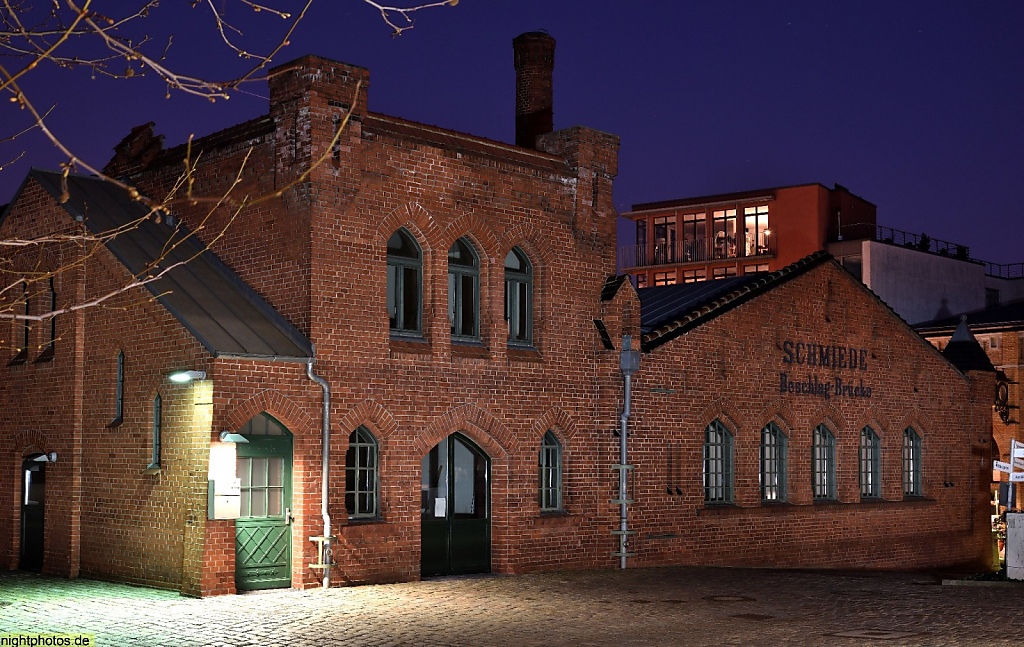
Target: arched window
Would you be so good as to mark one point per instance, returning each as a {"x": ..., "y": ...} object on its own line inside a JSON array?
[
  {"x": 870, "y": 460},
  {"x": 463, "y": 290},
  {"x": 550, "y": 468},
  {"x": 519, "y": 297},
  {"x": 405, "y": 293},
  {"x": 823, "y": 464},
  {"x": 361, "y": 475},
  {"x": 773, "y": 463},
  {"x": 717, "y": 463},
  {"x": 118, "y": 391},
  {"x": 911, "y": 462}
]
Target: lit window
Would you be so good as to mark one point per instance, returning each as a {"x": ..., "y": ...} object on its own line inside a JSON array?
[
  {"x": 723, "y": 228},
  {"x": 641, "y": 280},
  {"x": 717, "y": 463},
  {"x": 911, "y": 463},
  {"x": 665, "y": 239},
  {"x": 723, "y": 272},
  {"x": 773, "y": 463},
  {"x": 463, "y": 290},
  {"x": 641, "y": 242},
  {"x": 870, "y": 464},
  {"x": 754, "y": 269},
  {"x": 664, "y": 278},
  {"x": 823, "y": 464},
  {"x": 695, "y": 276},
  {"x": 519, "y": 297},
  {"x": 404, "y": 292},
  {"x": 695, "y": 237},
  {"x": 550, "y": 467},
  {"x": 757, "y": 236},
  {"x": 361, "y": 476}
]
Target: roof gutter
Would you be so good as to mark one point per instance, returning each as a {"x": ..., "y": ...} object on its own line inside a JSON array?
[{"x": 326, "y": 557}]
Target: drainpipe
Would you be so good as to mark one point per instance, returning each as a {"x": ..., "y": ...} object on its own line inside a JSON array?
[
  {"x": 629, "y": 363},
  {"x": 326, "y": 556}
]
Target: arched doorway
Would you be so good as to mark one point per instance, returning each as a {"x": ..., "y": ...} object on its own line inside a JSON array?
[
  {"x": 33, "y": 498},
  {"x": 455, "y": 526},
  {"x": 263, "y": 537}
]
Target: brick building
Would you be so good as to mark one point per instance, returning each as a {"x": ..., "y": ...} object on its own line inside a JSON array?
[{"x": 411, "y": 346}]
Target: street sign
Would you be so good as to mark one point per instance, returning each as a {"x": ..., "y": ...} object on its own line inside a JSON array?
[
  {"x": 1017, "y": 477},
  {"x": 1000, "y": 466},
  {"x": 1018, "y": 452}
]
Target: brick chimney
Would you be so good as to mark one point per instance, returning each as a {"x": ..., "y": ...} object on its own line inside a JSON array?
[{"x": 535, "y": 62}]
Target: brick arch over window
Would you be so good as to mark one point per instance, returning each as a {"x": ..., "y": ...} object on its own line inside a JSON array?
[
  {"x": 532, "y": 241},
  {"x": 27, "y": 442},
  {"x": 288, "y": 413},
  {"x": 832, "y": 418},
  {"x": 497, "y": 441},
  {"x": 556, "y": 420},
  {"x": 417, "y": 220},
  {"x": 776, "y": 411},
  {"x": 483, "y": 237},
  {"x": 373, "y": 416},
  {"x": 872, "y": 418},
  {"x": 917, "y": 420},
  {"x": 725, "y": 411}
]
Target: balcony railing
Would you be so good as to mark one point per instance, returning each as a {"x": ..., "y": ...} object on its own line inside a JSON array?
[
  {"x": 922, "y": 242},
  {"x": 701, "y": 250}
]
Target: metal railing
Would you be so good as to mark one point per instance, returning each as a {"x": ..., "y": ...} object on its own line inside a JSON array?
[
  {"x": 701, "y": 250},
  {"x": 922, "y": 243}
]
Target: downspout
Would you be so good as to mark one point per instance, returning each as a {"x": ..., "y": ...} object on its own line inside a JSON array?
[
  {"x": 629, "y": 363},
  {"x": 326, "y": 557}
]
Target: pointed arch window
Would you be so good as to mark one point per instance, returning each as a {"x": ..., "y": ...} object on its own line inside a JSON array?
[
  {"x": 911, "y": 462},
  {"x": 405, "y": 285},
  {"x": 158, "y": 424},
  {"x": 870, "y": 460},
  {"x": 464, "y": 291},
  {"x": 519, "y": 297},
  {"x": 823, "y": 464},
  {"x": 550, "y": 468},
  {"x": 773, "y": 464},
  {"x": 118, "y": 391},
  {"x": 361, "y": 475},
  {"x": 717, "y": 463}
]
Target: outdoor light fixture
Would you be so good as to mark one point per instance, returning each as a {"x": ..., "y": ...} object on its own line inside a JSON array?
[
  {"x": 186, "y": 376},
  {"x": 46, "y": 458},
  {"x": 229, "y": 437}
]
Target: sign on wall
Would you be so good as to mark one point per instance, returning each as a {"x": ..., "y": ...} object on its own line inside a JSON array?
[{"x": 824, "y": 370}]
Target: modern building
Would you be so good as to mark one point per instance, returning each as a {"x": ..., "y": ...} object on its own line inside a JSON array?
[
  {"x": 401, "y": 353},
  {"x": 715, "y": 237}
]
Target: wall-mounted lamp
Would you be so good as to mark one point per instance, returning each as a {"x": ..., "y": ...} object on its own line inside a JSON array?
[
  {"x": 186, "y": 376},
  {"x": 46, "y": 458},
  {"x": 229, "y": 437}
]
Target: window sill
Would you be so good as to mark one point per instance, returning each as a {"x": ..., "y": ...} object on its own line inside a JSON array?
[
  {"x": 152, "y": 470},
  {"x": 474, "y": 349},
  {"x": 363, "y": 521},
  {"x": 553, "y": 519},
  {"x": 115, "y": 423},
  {"x": 19, "y": 359},
  {"x": 524, "y": 354},
  {"x": 409, "y": 345}
]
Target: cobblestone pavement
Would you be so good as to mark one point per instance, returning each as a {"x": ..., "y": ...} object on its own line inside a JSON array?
[{"x": 665, "y": 606}]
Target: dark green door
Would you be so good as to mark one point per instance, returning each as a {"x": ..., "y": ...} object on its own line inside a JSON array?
[
  {"x": 455, "y": 527},
  {"x": 33, "y": 495},
  {"x": 263, "y": 535}
]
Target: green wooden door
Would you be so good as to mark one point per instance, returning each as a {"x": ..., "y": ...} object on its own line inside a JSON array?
[
  {"x": 263, "y": 535},
  {"x": 455, "y": 526}
]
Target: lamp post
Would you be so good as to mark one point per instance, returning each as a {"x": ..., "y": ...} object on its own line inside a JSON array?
[{"x": 629, "y": 363}]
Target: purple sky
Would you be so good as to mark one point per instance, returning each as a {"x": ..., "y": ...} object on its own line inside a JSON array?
[{"x": 914, "y": 105}]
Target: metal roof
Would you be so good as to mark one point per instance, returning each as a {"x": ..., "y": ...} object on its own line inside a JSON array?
[{"x": 207, "y": 297}]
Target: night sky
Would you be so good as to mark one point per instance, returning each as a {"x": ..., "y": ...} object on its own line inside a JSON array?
[{"x": 915, "y": 106}]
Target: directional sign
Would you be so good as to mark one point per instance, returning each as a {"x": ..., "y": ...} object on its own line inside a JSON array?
[
  {"x": 1000, "y": 466},
  {"x": 1018, "y": 452},
  {"x": 1017, "y": 477},
  {"x": 1018, "y": 463}
]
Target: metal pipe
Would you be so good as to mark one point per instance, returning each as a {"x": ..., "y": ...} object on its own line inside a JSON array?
[
  {"x": 623, "y": 512},
  {"x": 325, "y": 432}
]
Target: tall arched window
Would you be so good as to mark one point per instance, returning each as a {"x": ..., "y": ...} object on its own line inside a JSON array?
[
  {"x": 773, "y": 463},
  {"x": 463, "y": 290},
  {"x": 911, "y": 462},
  {"x": 550, "y": 468},
  {"x": 823, "y": 464},
  {"x": 405, "y": 292},
  {"x": 870, "y": 459},
  {"x": 717, "y": 463},
  {"x": 361, "y": 475},
  {"x": 519, "y": 297}
]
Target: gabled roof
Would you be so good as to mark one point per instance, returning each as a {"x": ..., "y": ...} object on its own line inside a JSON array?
[
  {"x": 227, "y": 317},
  {"x": 667, "y": 312}
]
